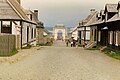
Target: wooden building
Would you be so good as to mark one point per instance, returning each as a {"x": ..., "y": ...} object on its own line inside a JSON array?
[
  {"x": 74, "y": 33},
  {"x": 14, "y": 20},
  {"x": 107, "y": 26},
  {"x": 84, "y": 28}
]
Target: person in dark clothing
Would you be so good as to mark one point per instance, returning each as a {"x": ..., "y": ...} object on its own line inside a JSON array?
[
  {"x": 67, "y": 43},
  {"x": 71, "y": 43}
]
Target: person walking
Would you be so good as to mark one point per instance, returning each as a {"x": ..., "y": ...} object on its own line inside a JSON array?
[
  {"x": 77, "y": 43},
  {"x": 67, "y": 43},
  {"x": 71, "y": 43}
]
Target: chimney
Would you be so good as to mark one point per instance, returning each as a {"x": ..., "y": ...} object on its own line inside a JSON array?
[
  {"x": 92, "y": 11},
  {"x": 36, "y": 13},
  {"x": 19, "y": 1}
]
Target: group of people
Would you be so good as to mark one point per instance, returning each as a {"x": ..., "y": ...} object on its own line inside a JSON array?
[{"x": 73, "y": 43}]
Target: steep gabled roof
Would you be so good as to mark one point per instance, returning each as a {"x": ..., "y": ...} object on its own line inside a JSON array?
[
  {"x": 111, "y": 7},
  {"x": 7, "y": 12},
  {"x": 92, "y": 18},
  {"x": 97, "y": 22},
  {"x": 11, "y": 9},
  {"x": 74, "y": 29},
  {"x": 34, "y": 18},
  {"x": 46, "y": 31},
  {"x": 18, "y": 8}
]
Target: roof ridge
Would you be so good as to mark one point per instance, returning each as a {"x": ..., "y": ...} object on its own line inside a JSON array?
[
  {"x": 111, "y": 4},
  {"x": 20, "y": 12},
  {"x": 91, "y": 15}
]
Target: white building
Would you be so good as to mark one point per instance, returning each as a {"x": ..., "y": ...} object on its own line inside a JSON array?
[
  {"x": 59, "y": 32},
  {"x": 14, "y": 20}
]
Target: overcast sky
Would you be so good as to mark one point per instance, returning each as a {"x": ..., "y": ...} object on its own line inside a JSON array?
[{"x": 67, "y": 12}]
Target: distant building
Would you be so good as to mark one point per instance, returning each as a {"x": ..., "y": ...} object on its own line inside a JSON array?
[
  {"x": 50, "y": 29},
  {"x": 74, "y": 33},
  {"x": 46, "y": 36},
  {"x": 59, "y": 32}
]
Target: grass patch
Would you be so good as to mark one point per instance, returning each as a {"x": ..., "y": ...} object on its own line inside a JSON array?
[
  {"x": 47, "y": 44},
  {"x": 116, "y": 56},
  {"x": 80, "y": 45},
  {"x": 114, "y": 53},
  {"x": 94, "y": 48},
  {"x": 12, "y": 53},
  {"x": 27, "y": 47}
]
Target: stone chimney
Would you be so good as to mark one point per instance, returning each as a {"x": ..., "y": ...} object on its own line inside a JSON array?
[
  {"x": 92, "y": 11},
  {"x": 36, "y": 13},
  {"x": 19, "y": 1}
]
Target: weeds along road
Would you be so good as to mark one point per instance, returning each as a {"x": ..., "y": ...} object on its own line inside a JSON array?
[{"x": 58, "y": 62}]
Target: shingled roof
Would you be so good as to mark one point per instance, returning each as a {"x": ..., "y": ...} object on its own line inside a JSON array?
[
  {"x": 6, "y": 11},
  {"x": 34, "y": 18},
  {"x": 91, "y": 18},
  {"x": 11, "y": 9},
  {"x": 18, "y": 8},
  {"x": 111, "y": 7},
  {"x": 46, "y": 31},
  {"x": 95, "y": 20}
]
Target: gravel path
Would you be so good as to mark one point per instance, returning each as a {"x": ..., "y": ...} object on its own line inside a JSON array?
[{"x": 59, "y": 63}]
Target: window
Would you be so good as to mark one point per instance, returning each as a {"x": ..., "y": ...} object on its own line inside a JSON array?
[
  {"x": 6, "y": 28},
  {"x": 32, "y": 34},
  {"x": 30, "y": 16},
  {"x": 92, "y": 32}
]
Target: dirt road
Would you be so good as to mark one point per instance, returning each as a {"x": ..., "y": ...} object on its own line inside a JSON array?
[{"x": 58, "y": 62}]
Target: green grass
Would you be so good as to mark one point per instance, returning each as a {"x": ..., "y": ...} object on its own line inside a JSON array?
[
  {"x": 12, "y": 53},
  {"x": 27, "y": 47},
  {"x": 47, "y": 44},
  {"x": 94, "y": 48},
  {"x": 80, "y": 45},
  {"x": 114, "y": 54}
]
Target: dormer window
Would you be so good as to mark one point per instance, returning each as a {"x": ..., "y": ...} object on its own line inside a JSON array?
[
  {"x": 110, "y": 11},
  {"x": 30, "y": 16}
]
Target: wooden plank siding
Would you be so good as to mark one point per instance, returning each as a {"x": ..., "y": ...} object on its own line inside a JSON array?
[
  {"x": 9, "y": 43},
  {"x": 109, "y": 37},
  {"x": 114, "y": 37},
  {"x": 119, "y": 38}
]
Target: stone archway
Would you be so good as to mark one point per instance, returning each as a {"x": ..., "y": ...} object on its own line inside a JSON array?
[{"x": 59, "y": 32}]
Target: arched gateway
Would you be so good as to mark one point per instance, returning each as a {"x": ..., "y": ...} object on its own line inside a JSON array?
[{"x": 59, "y": 32}]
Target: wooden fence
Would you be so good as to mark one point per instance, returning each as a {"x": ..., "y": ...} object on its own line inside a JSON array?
[{"x": 7, "y": 43}]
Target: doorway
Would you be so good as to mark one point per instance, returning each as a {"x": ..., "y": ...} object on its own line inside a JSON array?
[{"x": 59, "y": 35}]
